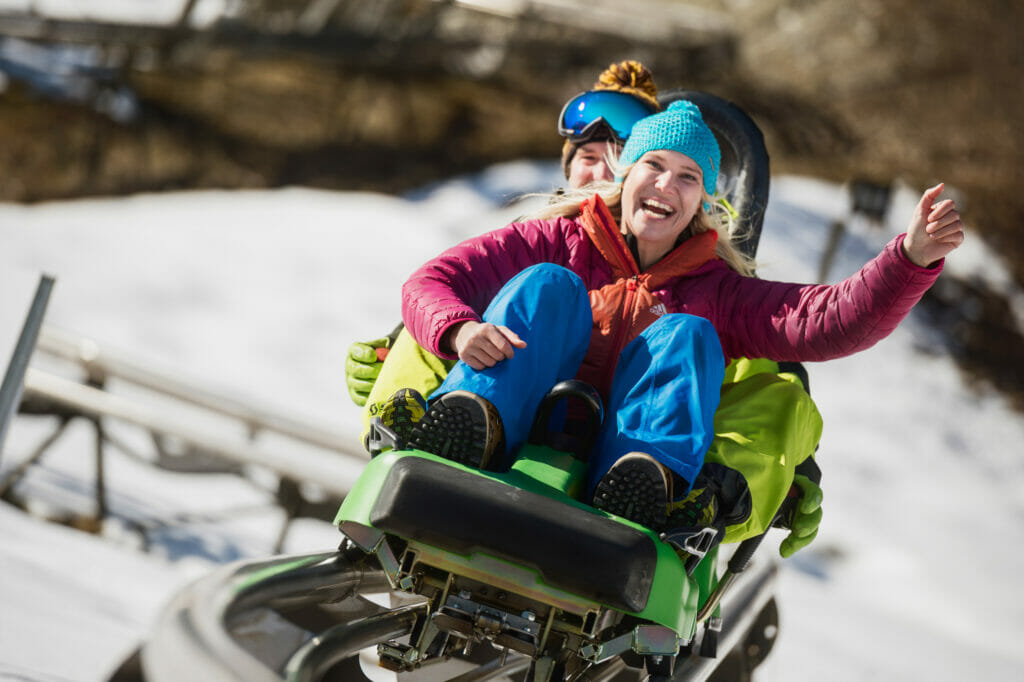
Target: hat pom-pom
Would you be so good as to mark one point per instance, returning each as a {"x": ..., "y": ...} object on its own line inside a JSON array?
[
  {"x": 684, "y": 106},
  {"x": 630, "y": 77}
]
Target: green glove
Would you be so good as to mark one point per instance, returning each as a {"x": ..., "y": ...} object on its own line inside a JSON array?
[
  {"x": 806, "y": 516},
  {"x": 362, "y": 366}
]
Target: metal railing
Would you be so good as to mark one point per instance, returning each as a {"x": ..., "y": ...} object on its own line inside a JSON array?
[
  {"x": 13, "y": 383},
  {"x": 226, "y": 439},
  {"x": 101, "y": 365}
]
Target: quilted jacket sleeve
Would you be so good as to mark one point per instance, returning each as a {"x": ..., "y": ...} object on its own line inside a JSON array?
[
  {"x": 820, "y": 322},
  {"x": 460, "y": 283}
]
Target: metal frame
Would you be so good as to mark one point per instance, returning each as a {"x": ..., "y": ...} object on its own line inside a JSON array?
[{"x": 328, "y": 464}]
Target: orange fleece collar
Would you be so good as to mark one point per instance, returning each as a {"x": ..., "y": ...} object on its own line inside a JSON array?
[{"x": 604, "y": 232}]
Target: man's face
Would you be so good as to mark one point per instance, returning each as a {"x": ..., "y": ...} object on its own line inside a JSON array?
[{"x": 589, "y": 163}]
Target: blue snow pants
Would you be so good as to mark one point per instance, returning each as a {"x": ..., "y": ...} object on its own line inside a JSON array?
[{"x": 664, "y": 392}]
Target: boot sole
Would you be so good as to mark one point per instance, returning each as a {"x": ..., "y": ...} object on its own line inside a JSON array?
[
  {"x": 405, "y": 409},
  {"x": 461, "y": 427},
  {"x": 634, "y": 489}
]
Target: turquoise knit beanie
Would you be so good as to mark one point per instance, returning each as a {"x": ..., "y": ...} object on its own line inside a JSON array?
[{"x": 680, "y": 128}]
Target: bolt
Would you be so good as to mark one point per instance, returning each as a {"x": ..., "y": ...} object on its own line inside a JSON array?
[{"x": 530, "y": 616}]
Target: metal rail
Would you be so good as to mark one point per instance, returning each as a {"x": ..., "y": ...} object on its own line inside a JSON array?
[
  {"x": 193, "y": 639},
  {"x": 102, "y": 364},
  {"x": 323, "y": 652},
  {"x": 200, "y": 445},
  {"x": 749, "y": 594},
  {"x": 195, "y": 636},
  {"x": 199, "y": 635},
  {"x": 12, "y": 387},
  {"x": 334, "y": 473}
]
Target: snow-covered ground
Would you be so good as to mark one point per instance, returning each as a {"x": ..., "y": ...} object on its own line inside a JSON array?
[
  {"x": 914, "y": 573},
  {"x": 154, "y": 12}
]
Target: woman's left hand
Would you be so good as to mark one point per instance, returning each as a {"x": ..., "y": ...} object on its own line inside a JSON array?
[{"x": 935, "y": 229}]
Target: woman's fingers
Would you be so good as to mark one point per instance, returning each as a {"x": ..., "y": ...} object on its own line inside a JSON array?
[
  {"x": 494, "y": 346},
  {"x": 949, "y": 234},
  {"x": 929, "y": 196},
  {"x": 926, "y": 205},
  {"x": 474, "y": 360},
  {"x": 512, "y": 338},
  {"x": 945, "y": 225},
  {"x": 934, "y": 230},
  {"x": 943, "y": 215},
  {"x": 488, "y": 345},
  {"x": 941, "y": 209}
]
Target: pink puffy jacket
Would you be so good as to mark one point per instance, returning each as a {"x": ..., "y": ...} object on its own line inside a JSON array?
[{"x": 754, "y": 317}]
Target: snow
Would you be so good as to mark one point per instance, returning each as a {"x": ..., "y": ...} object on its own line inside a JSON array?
[
  {"x": 258, "y": 294},
  {"x": 146, "y": 12}
]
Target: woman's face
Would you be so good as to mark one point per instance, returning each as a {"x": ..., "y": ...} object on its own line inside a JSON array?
[{"x": 660, "y": 196}]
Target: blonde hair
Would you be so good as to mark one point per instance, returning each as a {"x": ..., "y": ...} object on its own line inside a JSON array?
[{"x": 717, "y": 218}]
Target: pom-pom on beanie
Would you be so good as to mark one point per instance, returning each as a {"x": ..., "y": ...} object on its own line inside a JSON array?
[
  {"x": 680, "y": 128},
  {"x": 630, "y": 77}
]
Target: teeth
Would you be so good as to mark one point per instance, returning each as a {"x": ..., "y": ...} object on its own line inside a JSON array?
[{"x": 658, "y": 207}]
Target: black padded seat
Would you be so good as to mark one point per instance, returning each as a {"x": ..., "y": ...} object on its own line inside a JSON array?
[{"x": 574, "y": 550}]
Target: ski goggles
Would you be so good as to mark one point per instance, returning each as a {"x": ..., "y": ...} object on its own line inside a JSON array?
[{"x": 616, "y": 110}]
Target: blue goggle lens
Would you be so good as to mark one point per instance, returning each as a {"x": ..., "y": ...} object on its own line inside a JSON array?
[{"x": 617, "y": 110}]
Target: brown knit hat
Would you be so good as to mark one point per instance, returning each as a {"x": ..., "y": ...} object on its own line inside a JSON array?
[{"x": 630, "y": 77}]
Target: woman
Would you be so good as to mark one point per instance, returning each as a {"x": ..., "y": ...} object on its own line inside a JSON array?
[
  {"x": 594, "y": 125},
  {"x": 647, "y": 312}
]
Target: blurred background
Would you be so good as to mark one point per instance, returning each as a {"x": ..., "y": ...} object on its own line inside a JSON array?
[
  {"x": 112, "y": 97},
  {"x": 414, "y": 116}
]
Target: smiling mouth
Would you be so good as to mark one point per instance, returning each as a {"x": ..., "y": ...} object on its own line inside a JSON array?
[{"x": 656, "y": 209}]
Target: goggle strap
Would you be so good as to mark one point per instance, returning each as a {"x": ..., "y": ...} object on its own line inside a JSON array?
[{"x": 733, "y": 213}]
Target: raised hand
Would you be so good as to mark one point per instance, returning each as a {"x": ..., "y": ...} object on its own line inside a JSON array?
[{"x": 935, "y": 229}]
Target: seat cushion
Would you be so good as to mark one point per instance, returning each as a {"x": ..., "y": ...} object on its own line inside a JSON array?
[{"x": 574, "y": 550}]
